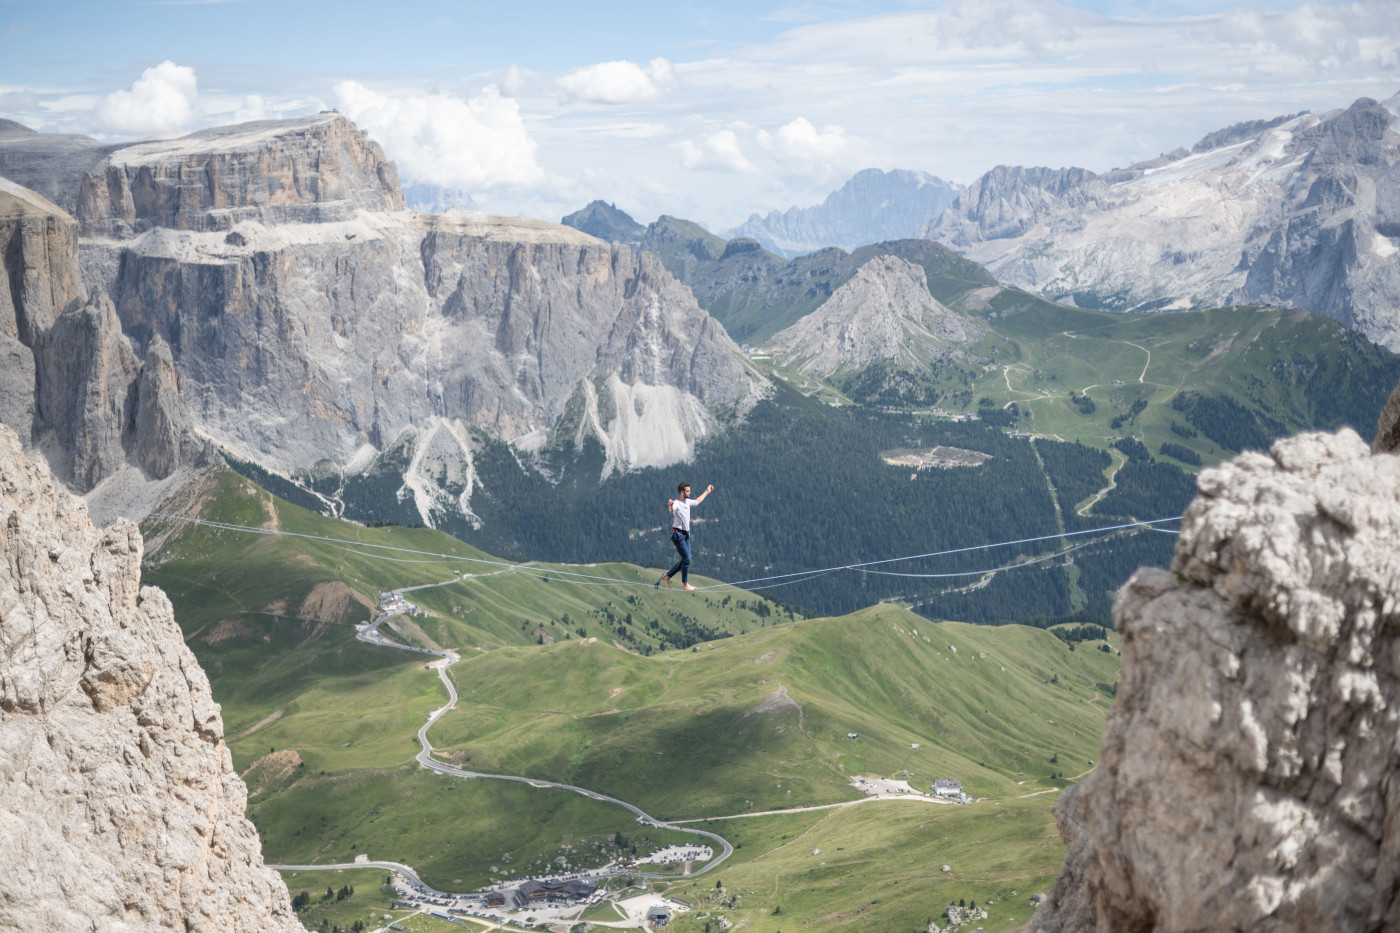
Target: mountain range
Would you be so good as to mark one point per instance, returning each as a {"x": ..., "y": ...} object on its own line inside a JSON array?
[
  {"x": 1296, "y": 211},
  {"x": 871, "y": 207},
  {"x": 263, "y": 290}
]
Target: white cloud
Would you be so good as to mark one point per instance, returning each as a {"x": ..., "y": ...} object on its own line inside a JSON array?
[
  {"x": 443, "y": 140},
  {"x": 803, "y": 148},
  {"x": 718, "y": 152},
  {"x": 252, "y": 108},
  {"x": 620, "y": 82},
  {"x": 163, "y": 99}
]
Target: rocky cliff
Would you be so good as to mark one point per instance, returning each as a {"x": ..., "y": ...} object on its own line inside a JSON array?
[
  {"x": 69, "y": 386},
  {"x": 296, "y": 343},
  {"x": 873, "y": 206},
  {"x": 1298, "y": 211},
  {"x": 119, "y": 806},
  {"x": 883, "y": 314},
  {"x": 1248, "y": 778},
  {"x": 269, "y": 273}
]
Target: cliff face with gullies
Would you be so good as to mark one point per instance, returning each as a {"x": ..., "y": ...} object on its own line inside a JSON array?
[
  {"x": 71, "y": 385},
  {"x": 1250, "y": 774},
  {"x": 310, "y": 320},
  {"x": 120, "y": 810}
]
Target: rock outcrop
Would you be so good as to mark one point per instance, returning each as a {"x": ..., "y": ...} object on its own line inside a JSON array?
[
  {"x": 85, "y": 381},
  {"x": 38, "y": 279},
  {"x": 1250, "y": 774},
  {"x": 1300, "y": 211},
  {"x": 883, "y": 314},
  {"x": 872, "y": 207},
  {"x": 119, "y": 806}
]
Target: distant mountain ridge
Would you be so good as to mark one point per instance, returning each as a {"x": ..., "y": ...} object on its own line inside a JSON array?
[
  {"x": 884, "y": 314},
  {"x": 873, "y": 206},
  {"x": 1297, "y": 211},
  {"x": 606, "y": 222}
]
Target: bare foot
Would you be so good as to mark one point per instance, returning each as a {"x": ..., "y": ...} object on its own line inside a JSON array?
[
  {"x": 688, "y": 588},
  {"x": 668, "y": 582}
]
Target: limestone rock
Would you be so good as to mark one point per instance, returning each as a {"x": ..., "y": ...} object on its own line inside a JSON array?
[
  {"x": 312, "y": 341},
  {"x": 307, "y": 169},
  {"x": 85, "y": 377},
  {"x": 120, "y": 810},
  {"x": 67, "y": 372},
  {"x": 163, "y": 435},
  {"x": 1250, "y": 774},
  {"x": 38, "y": 275},
  {"x": 883, "y": 314}
]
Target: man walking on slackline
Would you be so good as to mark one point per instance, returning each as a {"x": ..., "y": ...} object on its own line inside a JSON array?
[{"x": 680, "y": 533}]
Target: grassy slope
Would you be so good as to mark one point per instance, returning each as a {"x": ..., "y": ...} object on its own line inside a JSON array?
[
  {"x": 1300, "y": 371},
  {"x": 879, "y": 866},
  {"x": 1234, "y": 352},
  {"x": 684, "y": 737},
  {"x": 678, "y": 733}
]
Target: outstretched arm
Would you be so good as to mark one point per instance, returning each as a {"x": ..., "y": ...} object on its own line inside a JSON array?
[{"x": 708, "y": 489}]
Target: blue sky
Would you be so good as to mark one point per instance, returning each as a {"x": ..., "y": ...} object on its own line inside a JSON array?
[{"x": 705, "y": 110}]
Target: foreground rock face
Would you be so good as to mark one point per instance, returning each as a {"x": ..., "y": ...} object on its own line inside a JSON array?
[
  {"x": 1250, "y": 775},
  {"x": 119, "y": 806}
]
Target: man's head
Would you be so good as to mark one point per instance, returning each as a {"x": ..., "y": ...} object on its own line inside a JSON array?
[{"x": 683, "y": 490}]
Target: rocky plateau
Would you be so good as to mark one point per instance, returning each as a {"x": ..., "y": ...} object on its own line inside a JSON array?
[{"x": 309, "y": 319}]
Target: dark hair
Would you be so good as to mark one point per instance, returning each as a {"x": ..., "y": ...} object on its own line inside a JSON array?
[{"x": 680, "y": 486}]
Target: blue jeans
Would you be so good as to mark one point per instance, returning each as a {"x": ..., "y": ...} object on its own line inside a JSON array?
[{"x": 681, "y": 539}]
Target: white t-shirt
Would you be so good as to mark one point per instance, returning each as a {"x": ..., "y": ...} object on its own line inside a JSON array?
[{"x": 680, "y": 513}]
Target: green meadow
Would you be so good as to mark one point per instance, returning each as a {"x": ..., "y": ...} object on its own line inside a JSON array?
[
  {"x": 691, "y": 706},
  {"x": 761, "y": 721},
  {"x": 879, "y": 866}
]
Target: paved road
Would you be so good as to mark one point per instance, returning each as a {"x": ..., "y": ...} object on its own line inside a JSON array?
[{"x": 426, "y": 759}]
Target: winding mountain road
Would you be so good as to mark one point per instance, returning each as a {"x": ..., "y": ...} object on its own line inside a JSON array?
[{"x": 426, "y": 759}]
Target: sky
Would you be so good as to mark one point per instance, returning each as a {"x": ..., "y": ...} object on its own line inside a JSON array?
[{"x": 709, "y": 111}]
